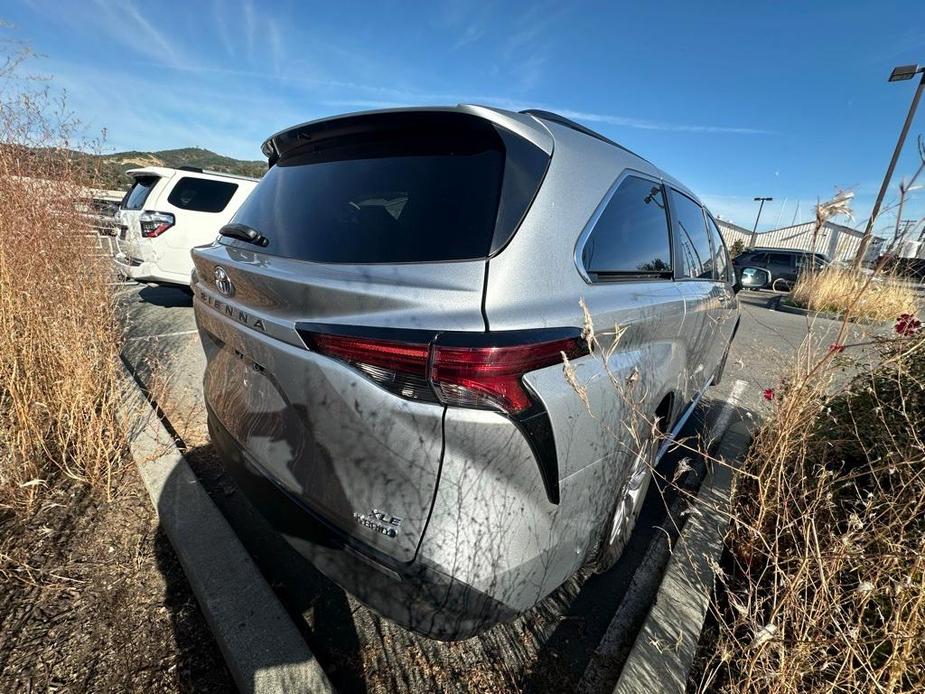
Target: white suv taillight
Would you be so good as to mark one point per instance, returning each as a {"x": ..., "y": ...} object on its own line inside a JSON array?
[{"x": 153, "y": 224}]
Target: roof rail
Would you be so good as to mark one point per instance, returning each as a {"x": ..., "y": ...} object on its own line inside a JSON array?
[
  {"x": 195, "y": 169},
  {"x": 562, "y": 120}
]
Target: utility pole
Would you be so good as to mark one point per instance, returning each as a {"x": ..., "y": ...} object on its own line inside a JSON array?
[
  {"x": 751, "y": 243},
  {"x": 901, "y": 73}
]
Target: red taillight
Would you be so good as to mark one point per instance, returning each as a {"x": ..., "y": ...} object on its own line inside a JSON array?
[
  {"x": 153, "y": 224},
  {"x": 399, "y": 367},
  {"x": 386, "y": 354},
  {"x": 481, "y": 370},
  {"x": 493, "y": 376}
]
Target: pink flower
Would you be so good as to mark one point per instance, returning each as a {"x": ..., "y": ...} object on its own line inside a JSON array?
[
  {"x": 907, "y": 324},
  {"x": 836, "y": 348},
  {"x": 768, "y": 393}
]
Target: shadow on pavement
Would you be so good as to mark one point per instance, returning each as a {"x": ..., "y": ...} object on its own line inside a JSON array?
[
  {"x": 199, "y": 665},
  {"x": 319, "y": 608},
  {"x": 167, "y": 296}
]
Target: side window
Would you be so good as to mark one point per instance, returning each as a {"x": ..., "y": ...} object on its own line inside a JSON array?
[
  {"x": 785, "y": 259},
  {"x": 201, "y": 194},
  {"x": 693, "y": 242},
  {"x": 720, "y": 257},
  {"x": 631, "y": 236}
]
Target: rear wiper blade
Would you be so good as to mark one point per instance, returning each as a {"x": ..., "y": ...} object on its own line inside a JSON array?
[{"x": 244, "y": 233}]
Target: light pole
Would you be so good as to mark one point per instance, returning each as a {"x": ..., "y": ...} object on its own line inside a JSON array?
[
  {"x": 899, "y": 74},
  {"x": 751, "y": 243}
]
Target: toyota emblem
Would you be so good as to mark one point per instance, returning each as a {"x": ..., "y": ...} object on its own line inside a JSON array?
[{"x": 222, "y": 282}]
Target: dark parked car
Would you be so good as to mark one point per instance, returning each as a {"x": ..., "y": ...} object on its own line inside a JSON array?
[{"x": 784, "y": 264}]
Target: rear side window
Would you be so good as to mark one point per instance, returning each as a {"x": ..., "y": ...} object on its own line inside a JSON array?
[
  {"x": 139, "y": 192},
  {"x": 813, "y": 261},
  {"x": 782, "y": 259},
  {"x": 632, "y": 235},
  {"x": 405, "y": 196},
  {"x": 201, "y": 194},
  {"x": 696, "y": 256},
  {"x": 720, "y": 259}
]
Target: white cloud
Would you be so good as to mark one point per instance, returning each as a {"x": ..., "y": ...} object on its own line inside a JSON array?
[
  {"x": 124, "y": 22},
  {"x": 397, "y": 99}
]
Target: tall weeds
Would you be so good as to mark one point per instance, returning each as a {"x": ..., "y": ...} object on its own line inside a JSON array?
[
  {"x": 833, "y": 289},
  {"x": 823, "y": 583},
  {"x": 59, "y": 333}
]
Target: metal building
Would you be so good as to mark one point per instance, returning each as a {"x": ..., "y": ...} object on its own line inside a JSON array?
[{"x": 834, "y": 240}]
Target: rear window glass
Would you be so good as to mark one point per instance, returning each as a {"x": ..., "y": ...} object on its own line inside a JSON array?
[
  {"x": 201, "y": 194},
  {"x": 139, "y": 192},
  {"x": 407, "y": 198}
]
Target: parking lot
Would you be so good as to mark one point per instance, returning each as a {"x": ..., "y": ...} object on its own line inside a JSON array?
[{"x": 575, "y": 639}]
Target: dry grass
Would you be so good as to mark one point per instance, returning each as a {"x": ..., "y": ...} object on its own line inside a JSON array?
[
  {"x": 833, "y": 289},
  {"x": 59, "y": 334},
  {"x": 823, "y": 583},
  {"x": 824, "y": 586}
]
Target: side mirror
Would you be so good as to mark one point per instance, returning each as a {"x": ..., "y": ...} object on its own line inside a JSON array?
[{"x": 752, "y": 278}]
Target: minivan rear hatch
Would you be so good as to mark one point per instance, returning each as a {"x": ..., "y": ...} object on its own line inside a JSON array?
[{"x": 376, "y": 225}]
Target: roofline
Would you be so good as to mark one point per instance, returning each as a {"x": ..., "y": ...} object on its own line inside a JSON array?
[
  {"x": 160, "y": 169},
  {"x": 735, "y": 226},
  {"x": 826, "y": 223},
  {"x": 568, "y": 123}
]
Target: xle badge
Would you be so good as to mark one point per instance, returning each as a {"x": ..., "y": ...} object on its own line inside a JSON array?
[{"x": 380, "y": 522}]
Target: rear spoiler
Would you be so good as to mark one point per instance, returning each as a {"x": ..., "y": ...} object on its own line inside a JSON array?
[{"x": 353, "y": 124}]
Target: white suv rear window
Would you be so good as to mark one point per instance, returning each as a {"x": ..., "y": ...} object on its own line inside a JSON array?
[
  {"x": 139, "y": 192},
  {"x": 201, "y": 194}
]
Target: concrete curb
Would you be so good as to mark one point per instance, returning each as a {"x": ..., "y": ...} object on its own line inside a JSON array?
[
  {"x": 262, "y": 647},
  {"x": 665, "y": 647}
]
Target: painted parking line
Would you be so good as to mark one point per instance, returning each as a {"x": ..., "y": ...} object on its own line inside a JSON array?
[
  {"x": 179, "y": 333},
  {"x": 733, "y": 402}
]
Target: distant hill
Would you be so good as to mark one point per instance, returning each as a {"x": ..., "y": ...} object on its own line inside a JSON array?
[{"x": 114, "y": 166}]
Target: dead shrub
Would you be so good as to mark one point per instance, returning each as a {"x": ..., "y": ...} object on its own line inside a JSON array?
[
  {"x": 59, "y": 333},
  {"x": 824, "y": 585}
]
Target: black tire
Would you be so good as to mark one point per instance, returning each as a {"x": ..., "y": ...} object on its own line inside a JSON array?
[{"x": 628, "y": 503}]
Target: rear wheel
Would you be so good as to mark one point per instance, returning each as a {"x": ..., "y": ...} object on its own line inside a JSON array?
[{"x": 629, "y": 500}]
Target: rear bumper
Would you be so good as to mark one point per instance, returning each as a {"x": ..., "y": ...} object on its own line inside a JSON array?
[
  {"x": 414, "y": 595},
  {"x": 146, "y": 271}
]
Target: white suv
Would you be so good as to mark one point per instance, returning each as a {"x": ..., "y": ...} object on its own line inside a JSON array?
[{"x": 169, "y": 211}]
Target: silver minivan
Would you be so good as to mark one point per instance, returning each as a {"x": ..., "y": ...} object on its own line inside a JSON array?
[{"x": 387, "y": 321}]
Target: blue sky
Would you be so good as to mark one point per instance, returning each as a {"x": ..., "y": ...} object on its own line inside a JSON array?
[{"x": 735, "y": 99}]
